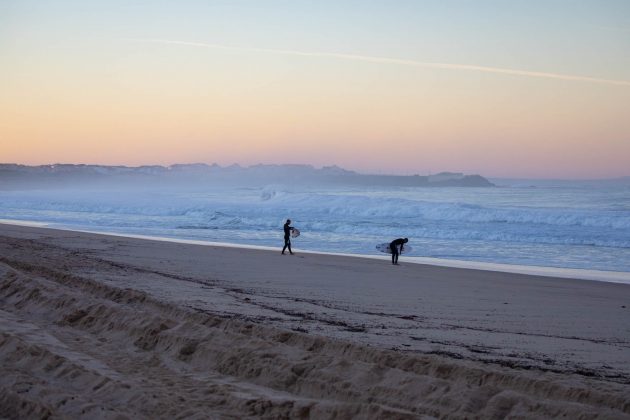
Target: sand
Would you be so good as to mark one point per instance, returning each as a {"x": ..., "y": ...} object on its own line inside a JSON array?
[{"x": 96, "y": 326}]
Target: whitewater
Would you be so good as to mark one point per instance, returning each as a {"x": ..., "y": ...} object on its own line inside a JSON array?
[{"x": 581, "y": 227}]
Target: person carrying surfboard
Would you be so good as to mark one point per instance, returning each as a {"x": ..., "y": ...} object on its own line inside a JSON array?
[
  {"x": 393, "y": 246},
  {"x": 287, "y": 237}
]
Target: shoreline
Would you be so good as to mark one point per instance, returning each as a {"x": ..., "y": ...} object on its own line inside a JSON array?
[{"x": 556, "y": 272}]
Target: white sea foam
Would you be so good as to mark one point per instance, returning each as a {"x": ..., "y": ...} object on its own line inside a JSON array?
[{"x": 22, "y": 223}]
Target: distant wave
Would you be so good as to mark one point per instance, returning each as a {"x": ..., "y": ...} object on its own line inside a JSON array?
[
  {"x": 368, "y": 207},
  {"x": 273, "y": 203},
  {"x": 196, "y": 227}
]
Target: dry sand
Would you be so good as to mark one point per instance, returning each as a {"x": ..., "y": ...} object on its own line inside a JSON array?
[{"x": 95, "y": 326}]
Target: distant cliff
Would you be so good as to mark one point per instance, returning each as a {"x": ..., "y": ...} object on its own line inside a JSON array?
[{"x": 15, "y": 176}]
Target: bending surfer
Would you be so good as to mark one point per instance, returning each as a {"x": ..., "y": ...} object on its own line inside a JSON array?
[
  {"x": 393, "y": 246},
  {"x": 287, "y": 236}
]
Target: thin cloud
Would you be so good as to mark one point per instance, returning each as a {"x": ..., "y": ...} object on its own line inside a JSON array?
[
  {"x": 611, "y": 28},
  {"x": 396, "y": 61}
]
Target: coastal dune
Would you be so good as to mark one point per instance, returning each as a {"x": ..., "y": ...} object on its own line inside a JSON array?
[{"x": 94, "y": 326}]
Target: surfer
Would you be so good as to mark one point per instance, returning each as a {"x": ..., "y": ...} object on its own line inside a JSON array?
[
  {"x": 393, "y": 246},
  {"x": 287, "y": 237}
]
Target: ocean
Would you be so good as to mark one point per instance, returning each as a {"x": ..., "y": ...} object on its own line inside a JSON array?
[{"x": 569, "y": 226}]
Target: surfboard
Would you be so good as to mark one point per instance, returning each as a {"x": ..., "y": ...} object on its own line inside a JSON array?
[
  {"x": 384, "y": 247},
  {"x": 295, "y": 233}
]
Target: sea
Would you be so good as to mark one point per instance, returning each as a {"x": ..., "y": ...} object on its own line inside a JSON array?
[{"x": 583, "y": 226}]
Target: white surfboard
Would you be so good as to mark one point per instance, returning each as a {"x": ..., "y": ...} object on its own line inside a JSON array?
[
  {"x": 295, "y": 232},
  {"x": 384, "y": 247}
]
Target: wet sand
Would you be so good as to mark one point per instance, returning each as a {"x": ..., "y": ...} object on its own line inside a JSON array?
[{"x": 97, "y": 326}]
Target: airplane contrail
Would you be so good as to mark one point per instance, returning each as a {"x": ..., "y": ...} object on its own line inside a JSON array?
[{"x": 404, "y": 62}]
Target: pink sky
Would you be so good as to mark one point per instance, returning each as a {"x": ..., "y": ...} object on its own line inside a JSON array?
[{"x": 502, "y": 103}]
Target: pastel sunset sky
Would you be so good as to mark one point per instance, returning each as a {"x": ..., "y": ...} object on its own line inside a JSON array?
[{"x": 502, "y": 88}]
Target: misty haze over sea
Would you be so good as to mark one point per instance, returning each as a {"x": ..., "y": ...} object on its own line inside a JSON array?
[{"x": 576, "y": 224}]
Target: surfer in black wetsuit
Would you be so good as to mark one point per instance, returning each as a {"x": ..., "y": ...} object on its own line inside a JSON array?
[
  {"x": 393, "y": 246},
  {"x": 287, "y": 237}
]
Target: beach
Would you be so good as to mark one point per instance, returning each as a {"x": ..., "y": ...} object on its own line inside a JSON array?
[{"x": 100, "y": 326}]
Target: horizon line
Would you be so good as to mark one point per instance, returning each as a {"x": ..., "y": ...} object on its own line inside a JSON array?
[
  {"x": 396, "y": 61},
  {"x": 374, "y": 172}
]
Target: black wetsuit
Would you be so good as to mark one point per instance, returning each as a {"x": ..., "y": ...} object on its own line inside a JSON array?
[
  {"x": 393, "y": 246},
  {"x": 287, "y": 238}
]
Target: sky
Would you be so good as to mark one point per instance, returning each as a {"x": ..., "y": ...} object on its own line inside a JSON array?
[{"x": 503, "y": 88}]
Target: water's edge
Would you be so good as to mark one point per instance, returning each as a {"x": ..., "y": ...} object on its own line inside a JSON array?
[{"x": 567, "y": 273}]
